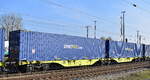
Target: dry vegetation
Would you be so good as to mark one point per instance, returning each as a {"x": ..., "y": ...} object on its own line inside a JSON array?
[{"x": 144, "y": 75}]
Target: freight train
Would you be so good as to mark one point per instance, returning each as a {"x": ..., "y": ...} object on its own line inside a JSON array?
[{"x": 30, "y": 51}]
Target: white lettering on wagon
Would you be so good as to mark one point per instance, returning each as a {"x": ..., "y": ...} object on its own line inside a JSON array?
[
  {"x": 73, "y": 47},
  {"x": 128, "y": 49}
]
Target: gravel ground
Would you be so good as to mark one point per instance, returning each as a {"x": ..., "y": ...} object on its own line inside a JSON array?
[{"x": 114, "y": 76}]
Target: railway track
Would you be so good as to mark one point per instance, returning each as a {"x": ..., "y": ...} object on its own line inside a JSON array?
[{"x": 74, "y": 73}]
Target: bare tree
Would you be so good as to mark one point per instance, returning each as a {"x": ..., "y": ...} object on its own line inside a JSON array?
[{"x": 10, "y": 22}]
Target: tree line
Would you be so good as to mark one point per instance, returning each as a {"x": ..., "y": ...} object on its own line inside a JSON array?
[{"x": 10, "y": 22}]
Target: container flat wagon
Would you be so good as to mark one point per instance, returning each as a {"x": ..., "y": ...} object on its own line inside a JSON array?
[
  {"x": 37, "y": 50},
  {"x": 44, "y": 50},
  {"x": 125, "y": 51}
]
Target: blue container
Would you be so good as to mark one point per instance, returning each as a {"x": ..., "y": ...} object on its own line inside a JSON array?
[
  {"x": 39, "y": 46},
  {"x": 147, "y": 50},
  {"x": 125, "y": 50},
  {"x": 2, "y": 40}
]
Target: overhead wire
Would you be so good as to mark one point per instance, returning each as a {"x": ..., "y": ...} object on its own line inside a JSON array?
[
  {"x": 85, "y": 13},
  {"x": 58, "y": 24},
  {"x": 47, "y": 22},
  {"x": 36, "y": 21},
  {"x": 133, "y": 4},
  {"x": 56, "y": 28},
  {"x": 44, "y": 23},
  {"x": 28, "y": 17},
  {"x": 50, "y": 23},
  {"x": 136, "y": 5},
  {"x": 76, "y": 10}
]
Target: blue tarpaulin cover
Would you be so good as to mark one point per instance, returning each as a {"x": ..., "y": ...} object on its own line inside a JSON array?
[
  {"x": 120, "y": 49},
  {"x": 147, "y": 50},
  {"x": 2, "y": 44},
  {"x": 46, "y": 46}
]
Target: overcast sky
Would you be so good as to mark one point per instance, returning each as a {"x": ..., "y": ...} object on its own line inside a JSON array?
[{"x": 71, "y": 16}]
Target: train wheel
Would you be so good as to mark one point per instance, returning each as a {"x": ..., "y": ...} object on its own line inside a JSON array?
[
  {"x": 30, "y": 68},
  {"x": 45, "y": 67},
  {"x": 98, "y": 63},
  {"x": 1, "y": 70},
  {"x": 55, "y": 66},
  {"x": 23, "y": 68}
]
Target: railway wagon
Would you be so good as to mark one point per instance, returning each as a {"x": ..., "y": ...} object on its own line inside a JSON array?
[
  {"x": 46, "y": 50},
  {"x": 2, "y": 39},
  {"x": 125, "y": 51}
]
